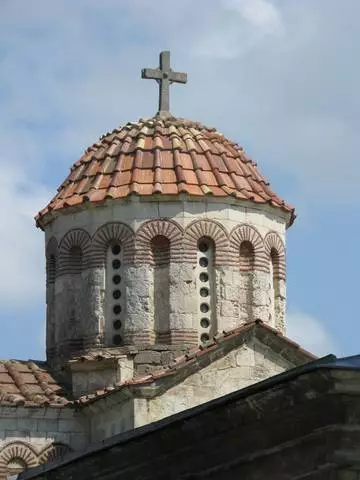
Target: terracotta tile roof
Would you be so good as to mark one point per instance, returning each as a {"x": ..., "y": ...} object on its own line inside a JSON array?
[
  {"x": 29, "y": 383},
  {"x": 194, "y": 356},
  {"x": 163, "y": 156}
]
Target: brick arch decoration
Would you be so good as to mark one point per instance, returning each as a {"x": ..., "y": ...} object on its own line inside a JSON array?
[
  {"x": 51, "y": 263},
  {"x": 53, "y": 452},
  {"x": 273, "y": 241},
  {"x": 154, "y": 228},
  {"x": 110, "y": 232},
  {"x": 73, "y": 238},
  {"x": 206, "y": 228},
  {"x": 247, "y": 233},
  {"x": 20, "y": 450}
]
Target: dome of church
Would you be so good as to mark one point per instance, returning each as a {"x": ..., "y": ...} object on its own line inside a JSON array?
[
  {"x": 164, "y": 156},
  {"x": 187, "y": 239}
]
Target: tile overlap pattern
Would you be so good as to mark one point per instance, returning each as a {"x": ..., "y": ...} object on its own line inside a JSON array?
[
  {"x": 29, "y": 383},
  {"x": 167, "y": 157}
]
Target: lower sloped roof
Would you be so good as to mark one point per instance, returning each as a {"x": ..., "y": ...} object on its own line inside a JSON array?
[
  {"x": 30, "y": 383},
  {"x": 33, "y": 383},
  {"x": 199, "y": 357}
]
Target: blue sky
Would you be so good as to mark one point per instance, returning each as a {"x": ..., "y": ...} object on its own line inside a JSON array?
[{"x": 280, "y": 77}]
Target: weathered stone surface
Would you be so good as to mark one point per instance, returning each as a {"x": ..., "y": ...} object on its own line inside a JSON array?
[
  {"x": 161, "y": 300},
  {"x": 148, "y": 356}
]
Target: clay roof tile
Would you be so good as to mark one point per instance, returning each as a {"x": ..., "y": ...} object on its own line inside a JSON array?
[
  {"x": 167, "y": 157},
  {"x": 29, "y": 383}
]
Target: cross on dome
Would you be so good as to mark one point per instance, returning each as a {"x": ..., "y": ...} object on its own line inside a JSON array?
[{"x": 164, "y": 76}]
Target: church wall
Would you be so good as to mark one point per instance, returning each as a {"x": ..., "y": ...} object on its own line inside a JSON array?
[
  {"x": 91, "y": 376},
  {"x": 238, "y": 369},
  {"x": 111, "y": 419},
  {"x": 77, "y": 316},
  {"x": 302, "y": 427},
  {"x": 136, "y": 210},
  {"x": 31, "y": 432}
]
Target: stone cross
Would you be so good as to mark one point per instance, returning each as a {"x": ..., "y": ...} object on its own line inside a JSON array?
[{"x": 164, "y": 77}]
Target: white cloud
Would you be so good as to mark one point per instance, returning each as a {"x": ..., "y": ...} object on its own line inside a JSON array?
[
  {"x": 310, "y": 333},
  {"x": 260, "y": 13},
  {"x": 237, "y": 27}
]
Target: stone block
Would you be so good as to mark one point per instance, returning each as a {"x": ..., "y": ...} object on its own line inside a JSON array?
[
  {"x": 30, "y": 424},
  {"x": 78, "y": 441},
  {"x": 148, "y": 356},
  {"x": 231, "y": 292},
  {"x": 13, "y": 435},
  {"x": 47, "y": 425},
  {"x": 245, "y": 356},
  {"x": 227, "y": 323},
  {"x": 167, "y": 357},
  {"x": 171, "y": 210},
  {"x": 8, "y": 423},
  {"x": 228, "y": 308},
  {"x": 125, "y": 369},
  {"x": 69, "y": 426}
]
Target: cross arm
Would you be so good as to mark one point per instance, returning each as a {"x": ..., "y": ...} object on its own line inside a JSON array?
[
  {"x": 152, "y": 73},
  {"x": 178, "y": 77}
]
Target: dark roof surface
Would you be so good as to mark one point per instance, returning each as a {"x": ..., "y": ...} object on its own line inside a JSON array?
[{"x": 327, "y": 362}]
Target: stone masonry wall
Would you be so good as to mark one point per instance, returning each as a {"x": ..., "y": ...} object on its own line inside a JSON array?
[
  {"x": 33, "y": 435},
  {"x": 76, "y": 311},
  {"x": 240, "y": 368},
  {"x": 243, "y": 366}
]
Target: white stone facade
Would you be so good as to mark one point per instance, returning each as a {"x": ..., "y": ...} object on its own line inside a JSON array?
[
  {"x": 241, "y": 367},
  {"x": 160, "y": 302},
  {"x": 31, "y": 436}
]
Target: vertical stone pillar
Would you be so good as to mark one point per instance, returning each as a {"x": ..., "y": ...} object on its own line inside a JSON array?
[
  {"x": 183, "y": 303},
  {"x": 92, "y": 307},
  {"x": 139, "y": 316},
  {"x": 228, "y": 299},
  {"x": 280, "y": 306},
  {"x": 260, "y": 296}
]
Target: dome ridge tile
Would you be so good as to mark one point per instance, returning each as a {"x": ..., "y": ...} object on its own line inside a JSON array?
[
  {"x": 206, "y": 190},
  {"x": 157, "y": 158}
]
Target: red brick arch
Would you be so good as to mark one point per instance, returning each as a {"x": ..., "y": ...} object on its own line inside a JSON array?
[
  {"x": 154, "y": 228},
  {"x": 247, "y": 233},
  {"x": 53, "y": 451},
  {"x": 74, "y": 238},
  {"x": 274, "y": 243},
  {"x": 112, "y": 232},
  {"x": 212, "y": 230},
  {"x": 20, "y": 450}
]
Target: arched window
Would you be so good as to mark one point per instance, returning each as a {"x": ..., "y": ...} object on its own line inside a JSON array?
[
  {"x": 274, "y": 285},
  {"x": 75, "y": 259},
  {"x": 15, "y": 467},
  {"x": 247, "y": 260},
  {"x": 247, "y": 256},
  {"x": 160, "y": 251},
  {"x": 51, "y": 268},
  {"x": 206, "y": 289},
  {"x": 114, "y": 312}
]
